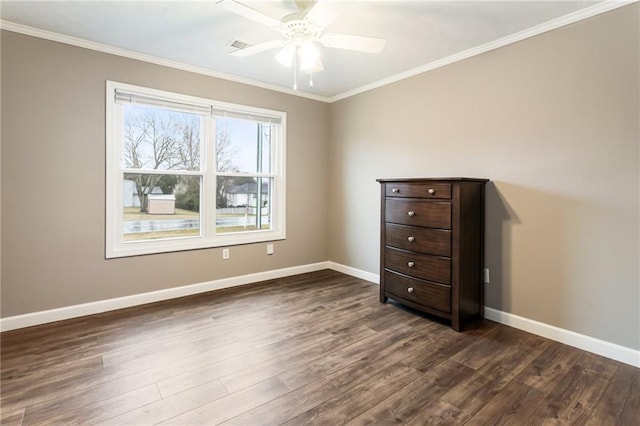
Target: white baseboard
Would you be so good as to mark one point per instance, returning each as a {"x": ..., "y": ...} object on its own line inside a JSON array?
[
  {"x": 590, "y": 344},
  {"x": 43, "y": 317},
  {"x": 358, "y": 273},
  {"x": 571, "y": 338}
]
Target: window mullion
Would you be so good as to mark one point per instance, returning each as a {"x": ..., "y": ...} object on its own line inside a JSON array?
[
  {"x": 209, "y": 185},
  {"x": 256, "y": 175},
  {"x": 162, "y": 172}
]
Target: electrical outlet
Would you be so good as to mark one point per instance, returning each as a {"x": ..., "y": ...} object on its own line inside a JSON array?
[
  {"x": 225, "y": 254},
  {"x": 269, "y": 248},
  {"x": 486, "y": 275}
]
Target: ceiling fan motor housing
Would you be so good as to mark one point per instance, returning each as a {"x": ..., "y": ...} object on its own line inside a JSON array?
[{"x": 296, "y": 26}]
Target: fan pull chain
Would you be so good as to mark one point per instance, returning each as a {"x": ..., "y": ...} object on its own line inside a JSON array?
[{"x": 311, "y": 79}]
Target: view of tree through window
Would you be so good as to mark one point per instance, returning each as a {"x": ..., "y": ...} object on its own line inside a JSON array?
[
  {"x": 186, "y": 172},
  {"x": 156, "y": 204}
]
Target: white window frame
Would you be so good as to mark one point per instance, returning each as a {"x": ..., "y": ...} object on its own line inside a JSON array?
[{"x": 116, "y": 247}]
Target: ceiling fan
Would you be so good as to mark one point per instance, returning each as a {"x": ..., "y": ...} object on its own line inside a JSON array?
[{"x": 300, "y": 32}]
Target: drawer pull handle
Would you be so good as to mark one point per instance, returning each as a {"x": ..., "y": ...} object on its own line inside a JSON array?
[
  {"x": 431, "y": 191},
  {"x": 411, "y": 239},
  {"x": 395, "y": 190},
  {"x": 410, "y": 264},
  {"x": 410, "y": 289},
  {"x": 411, "y": 213}
]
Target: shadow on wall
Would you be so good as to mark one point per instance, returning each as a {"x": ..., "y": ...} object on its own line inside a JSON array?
[
  {"x": 499, "y": 220},
  {"x": 566, "y": 258}
]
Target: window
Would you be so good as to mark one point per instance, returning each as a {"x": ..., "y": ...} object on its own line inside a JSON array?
[{"x": 186, "y": 173}]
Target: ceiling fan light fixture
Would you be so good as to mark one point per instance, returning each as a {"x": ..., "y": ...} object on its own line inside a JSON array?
[
  {"x": 309, "y": 57},
  {"x": 287, "y": 55}
]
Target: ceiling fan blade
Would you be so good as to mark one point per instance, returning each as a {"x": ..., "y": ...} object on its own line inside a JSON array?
[
  {"x": 249, "y": 13},
  {"x": 321, "y": 14},
  {"x": 353, "y": 42},
  {"x": 260, "y": 47}
]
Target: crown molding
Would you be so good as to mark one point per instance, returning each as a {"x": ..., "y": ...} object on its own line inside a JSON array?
[
  {"x": 571, "y": 18},
  {"x": 117, "y": 51}
]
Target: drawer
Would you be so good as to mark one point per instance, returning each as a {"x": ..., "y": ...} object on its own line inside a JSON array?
[
  {"x": 430, "y": 214},
  {"x": 418, "y": 190},
  {"x": 424, "y": 266},
  {"x": 433, "y": 295},
  {"x": 423, "y": 240}
]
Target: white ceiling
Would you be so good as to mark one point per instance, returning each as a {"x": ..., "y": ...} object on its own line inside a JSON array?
[{"x": 196, "y": 34}]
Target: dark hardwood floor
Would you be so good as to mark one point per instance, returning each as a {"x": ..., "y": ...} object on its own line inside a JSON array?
[{"x": 316, "y": 348}]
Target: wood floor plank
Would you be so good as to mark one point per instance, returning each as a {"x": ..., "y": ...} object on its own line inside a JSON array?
[
  {"x": 510, "y": 350},
  {"x": 264, "y": 362},
  {"x": 513, "y": 406},
  {"x": 72, "y": 412},
  {"x": 170, "y": 407},
  {"x": 365, "y": 351},
  {"x": 409, "y": 401},
  {"x": 474, "y": 392},
  {"x": 572, "y": 401},
  {"x": 215, "y": 336},
  {"x": 485, "y": 347},
  {"x": 315, "y": 385},
  {"x": 65, "y": 352},
  {"x": 347, "y": 405},
  {"x": 515, "y": 355},
  {"x": 548, "y": 369},
  {"x": 58, "y": 335},
  {"x": 216, "y": 369},
  {"x": 11, "y": 418},
  {"x": 315, "y": 348},
  {"x": 27, "y": 388},
  {"x": 105, "y": 383},
  {"x": 442, "y": 343},
  {"x": 388, "y": 316},
  {"x": 439, "y": 413},
  {"x": 281, "y": 324},
  {"x": 294, "y": 359},
  {"x": 620, "y": 393},
  {"x": 259, "y": 337},
  {"x": 631, "y": 411},
  {"x": 224, "y": 408},
  {"x": 287, "y": 406}
]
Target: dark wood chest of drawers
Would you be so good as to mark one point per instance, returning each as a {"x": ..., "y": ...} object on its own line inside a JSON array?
[{"x": 431, "y": 246}]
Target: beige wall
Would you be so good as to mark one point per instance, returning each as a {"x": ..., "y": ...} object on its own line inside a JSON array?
[
  {"x": 53, "y": 180},
  {"x": 553, "y": 122}
]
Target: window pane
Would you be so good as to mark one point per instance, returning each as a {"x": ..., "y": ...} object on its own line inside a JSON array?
[
  {"x": 243, "y": 146},
  {"x": 160, "y": 139},
  {"x": 160, "y": 206},
  {"x": 240, "y": 206}
]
